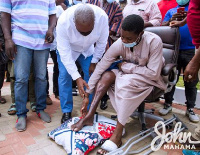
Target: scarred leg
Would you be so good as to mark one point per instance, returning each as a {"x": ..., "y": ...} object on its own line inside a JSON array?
[{"x": 107, "y": 79}]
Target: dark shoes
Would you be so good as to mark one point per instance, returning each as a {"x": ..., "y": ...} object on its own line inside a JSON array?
[{"x": 65, "y": 117}]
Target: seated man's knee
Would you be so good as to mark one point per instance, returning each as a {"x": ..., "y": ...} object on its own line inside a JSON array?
[{"x": 106, "y": 80}]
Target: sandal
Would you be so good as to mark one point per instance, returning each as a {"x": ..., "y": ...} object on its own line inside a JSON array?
[
  {"x": 2, "y": 100},
  {"x": 33, "y": 106},
  {"x": 12, "y": 110},
  {"x": 108, "y": 146}
]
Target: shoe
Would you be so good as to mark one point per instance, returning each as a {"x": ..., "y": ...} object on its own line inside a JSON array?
[
  {"x": 44, "y": 116},
  {"x": 190, "y": 152},
  {"x": 103, "y": 105},
  {"x": 192, "y": 116},
  {"x": 48, "y": 100},
  {"x": 74, "y": 92},
  {"x": 167, "y": 108},
  {"x": 21, "y": 124},
  {"x": 12, "y": 110},
  {"x": 65, "y": 117}
]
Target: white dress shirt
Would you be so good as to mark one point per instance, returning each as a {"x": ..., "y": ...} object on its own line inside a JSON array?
[{"x": 70, "y": 43}]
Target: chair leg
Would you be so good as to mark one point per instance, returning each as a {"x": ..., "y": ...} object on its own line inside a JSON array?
[{"x": 142, "y": 120}]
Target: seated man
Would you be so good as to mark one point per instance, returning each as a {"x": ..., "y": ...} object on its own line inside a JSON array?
[{"x": 129, "y": 85}]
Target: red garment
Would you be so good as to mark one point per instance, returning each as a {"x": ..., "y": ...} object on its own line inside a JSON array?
[
  {"x": 193, "y": 21},
  {"x": 165, "y": 5}
]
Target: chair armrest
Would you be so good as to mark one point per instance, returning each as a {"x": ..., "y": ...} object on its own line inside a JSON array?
[{"x": 167, "y": 69}]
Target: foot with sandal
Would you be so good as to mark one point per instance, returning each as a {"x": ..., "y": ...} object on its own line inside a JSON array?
[{"x": 12, "y": 110}]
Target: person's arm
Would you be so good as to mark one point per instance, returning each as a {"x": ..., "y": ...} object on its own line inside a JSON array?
[
  {"x": 154, "y": 66},
  {"x": 52, "y": 22},
  {"x": 167, "y": 19},
  {"x": 178, "y": 23},
  {"x": 100, "y": 45},
  {"x": 65, "y": 51},
  {"x": 193, "y": 67},
  {"x": 101, "y": 42},
  {"x": 155, "y": 17},
  {"x": 109, "y": 57},
  {"x": 10, "y": 47}
]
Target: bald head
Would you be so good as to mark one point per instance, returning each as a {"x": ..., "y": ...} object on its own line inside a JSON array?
[{"x": 84, "y": 18}]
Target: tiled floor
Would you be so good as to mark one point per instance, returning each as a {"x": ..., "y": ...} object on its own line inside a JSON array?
[{"x": 34, "y": 140}]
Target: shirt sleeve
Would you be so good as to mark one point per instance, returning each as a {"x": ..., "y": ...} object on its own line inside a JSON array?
[
  {"x": 52, "y": 7},
  {"x": 102, "y": 41},
  {"x": 155, "y": 17},
  {"x": 167, "y": 17},
  {"x": 109, "y": 57},
  {"x": 65, "y": 52},
  {"x": 154, "y": 66},
  {"x": 5, "y": 6}
]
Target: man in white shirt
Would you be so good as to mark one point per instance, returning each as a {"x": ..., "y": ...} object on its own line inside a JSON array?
[{"x": 78, "y": 29}]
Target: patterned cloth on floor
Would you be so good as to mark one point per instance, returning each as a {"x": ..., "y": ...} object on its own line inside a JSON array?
[{"x": 85, "y": 140}]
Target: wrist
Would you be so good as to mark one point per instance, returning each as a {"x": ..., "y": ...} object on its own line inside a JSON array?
[
  {"x": 8, "y": 39},
  {"x": 50, "y": 29},
  {"x": 86, "y": 95}
]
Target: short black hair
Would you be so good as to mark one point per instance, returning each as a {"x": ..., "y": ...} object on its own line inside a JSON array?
[{"x": 133, "y": 23}]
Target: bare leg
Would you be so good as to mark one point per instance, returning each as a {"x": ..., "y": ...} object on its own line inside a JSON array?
[
  {"x": 107, "y": 79},
  {"x": 116, "y": 137}
]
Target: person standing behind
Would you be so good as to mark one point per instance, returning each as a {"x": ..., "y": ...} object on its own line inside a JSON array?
[
  {"x": 78, "y": 29},
  {"x": 186, "y": 53},
  {"x": 192, "y": 69},
  {"x": 147, "y": 9},
  {"x": 165, "y": 5},
  {"x": 28, "y": 29},
  {"x": 3, "y": 66}
]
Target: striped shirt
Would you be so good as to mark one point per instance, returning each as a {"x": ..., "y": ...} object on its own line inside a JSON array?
[
  {"x": 115, "y": 16},
  {"x": 114, "y": 13},
  {"x": 29, "y": 21}
]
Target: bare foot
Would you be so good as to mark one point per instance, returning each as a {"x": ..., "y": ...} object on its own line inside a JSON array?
[{"x": 82, "y": 122}]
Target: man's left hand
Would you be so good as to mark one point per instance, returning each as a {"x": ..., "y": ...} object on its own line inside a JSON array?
[
  {"x": 49, "y": 36},
  {"x": 92, "y": 67},
  {"x": 191, "y": 71}
]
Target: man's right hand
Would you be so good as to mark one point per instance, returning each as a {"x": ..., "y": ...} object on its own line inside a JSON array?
[
  {"x": 179, "y": 16},
  {"x": 81, "y": 83},
  {"x": 10, "y": 49}
]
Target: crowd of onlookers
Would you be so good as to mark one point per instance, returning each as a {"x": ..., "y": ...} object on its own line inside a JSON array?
[{"x": 84, "y": 39}]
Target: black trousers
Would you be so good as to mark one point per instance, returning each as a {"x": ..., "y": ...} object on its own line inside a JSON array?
[
  {"x": 55, "y": 74},
  {"x": 190, "y": 87},
  {"x": 2, "y": 74}
]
